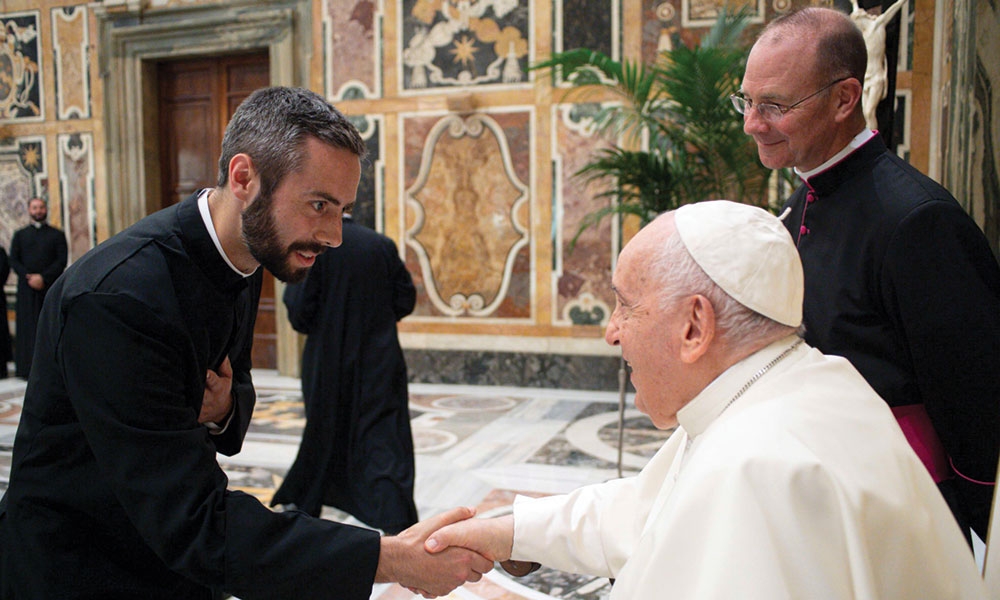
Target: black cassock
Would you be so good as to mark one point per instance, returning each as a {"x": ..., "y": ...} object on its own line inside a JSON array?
[
  {"x": 901, "y": 281},
  {"x": 39, "y": 250},
  {"x": 115, "y": 488},
  {"x": 357, "y": 447},
  {"x": 5, "y": 353}
]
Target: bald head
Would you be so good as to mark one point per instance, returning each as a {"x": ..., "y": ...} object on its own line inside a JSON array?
[{"x": 838, "y": 46}]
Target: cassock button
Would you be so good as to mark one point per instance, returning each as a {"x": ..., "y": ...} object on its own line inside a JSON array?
[{"x": 804, "y": 230}]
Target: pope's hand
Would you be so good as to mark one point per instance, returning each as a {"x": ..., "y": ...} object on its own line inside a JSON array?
[
  {"x": 493, "y": 538},
  {"x": 403, "y": 558}
]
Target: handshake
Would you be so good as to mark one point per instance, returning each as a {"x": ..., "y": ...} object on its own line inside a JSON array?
[{"x": 439, "y": 554}]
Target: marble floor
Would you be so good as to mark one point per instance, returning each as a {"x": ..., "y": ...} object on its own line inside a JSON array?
[{"x": 476, "y": 446}]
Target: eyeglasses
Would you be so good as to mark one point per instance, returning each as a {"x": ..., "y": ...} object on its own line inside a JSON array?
[{"x": 770, "y": 111}]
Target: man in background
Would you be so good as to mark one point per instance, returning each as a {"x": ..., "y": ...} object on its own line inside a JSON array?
[
  {"x": 898, "y": 278},
  {"x": 38, "y": 254},
  {"x": 357, "y": 447}
]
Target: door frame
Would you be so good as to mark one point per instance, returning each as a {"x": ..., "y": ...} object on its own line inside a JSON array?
[{"x": 132, "y": 41}]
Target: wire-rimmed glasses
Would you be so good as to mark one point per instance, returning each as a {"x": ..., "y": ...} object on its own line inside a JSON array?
[{"x": 769, "y": 111}]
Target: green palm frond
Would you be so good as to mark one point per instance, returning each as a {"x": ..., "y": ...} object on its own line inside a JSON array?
[{"x": 675, "y": 138}]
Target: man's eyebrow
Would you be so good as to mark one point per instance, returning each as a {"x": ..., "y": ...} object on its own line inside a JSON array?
[{"x": 325, "y": 196}]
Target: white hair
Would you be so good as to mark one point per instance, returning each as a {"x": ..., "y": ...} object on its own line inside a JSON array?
[{"x": 677, "y": 275}]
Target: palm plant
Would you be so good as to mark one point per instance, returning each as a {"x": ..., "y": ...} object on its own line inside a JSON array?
[{"x": 680, "y": 140}]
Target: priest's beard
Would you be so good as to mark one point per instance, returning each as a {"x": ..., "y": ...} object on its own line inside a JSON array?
[{"x": 260, "y": 233}]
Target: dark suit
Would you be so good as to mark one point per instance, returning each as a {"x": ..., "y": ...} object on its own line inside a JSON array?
[
  {"x": 115, "y": 490},
  {"x": 901, "y": 281},
  {"x": 39, "y": 250},
  {"x": 357, "y": 447},
  {"x": 5, "y": 353}
]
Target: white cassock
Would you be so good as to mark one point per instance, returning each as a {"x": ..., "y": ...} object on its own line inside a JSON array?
[{"x": 804, "y": 487}]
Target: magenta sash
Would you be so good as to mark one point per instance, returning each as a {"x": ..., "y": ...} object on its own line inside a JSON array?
[{"x": 919, "y": 431}]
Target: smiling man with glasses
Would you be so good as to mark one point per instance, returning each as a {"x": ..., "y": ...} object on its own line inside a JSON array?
[
  {"x": 770, "y": 111},
  {"x": 898, "y": 278}
]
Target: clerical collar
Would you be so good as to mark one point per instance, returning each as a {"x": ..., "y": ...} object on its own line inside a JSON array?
[
  {"x": 206, "y": 216},
  {"x": 705, "y": 408},
  {"x": 858, "y": 141},
  {"x": 37, "y": 224}
]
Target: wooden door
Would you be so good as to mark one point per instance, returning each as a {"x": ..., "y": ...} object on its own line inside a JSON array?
[{"x": 196, "y": 99}]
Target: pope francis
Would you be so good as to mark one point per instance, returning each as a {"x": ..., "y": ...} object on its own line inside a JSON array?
[{"x": 787, "y": 476}]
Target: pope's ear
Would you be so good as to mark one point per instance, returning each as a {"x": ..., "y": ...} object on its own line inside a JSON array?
[
  {"x": 243, "y": 180},
  {"x": 699, "y": 328}
]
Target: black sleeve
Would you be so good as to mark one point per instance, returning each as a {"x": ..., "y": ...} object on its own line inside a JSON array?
[
  {"x": 404, "y": 294},
  {"x": 943, "y": 291},
  {"x": 138, "y": 411}
]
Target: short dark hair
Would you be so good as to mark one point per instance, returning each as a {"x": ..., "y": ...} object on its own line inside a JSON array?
[
  {"x": 840, "y": 46},
  {"x": 271, "y": 127}
]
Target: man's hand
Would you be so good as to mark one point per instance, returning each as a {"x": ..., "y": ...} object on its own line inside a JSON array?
[
  {"x": 492, "y": 538},
  {"x": 35, "y": 281},
  {"x": 218, "y": 400},
  {"x": 404, "y": 560}
]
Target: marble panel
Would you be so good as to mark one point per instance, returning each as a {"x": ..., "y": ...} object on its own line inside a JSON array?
[
  {"x": 660, "y": 27},
  {"x": 583, "y": 257},
  {"x": 450, "y": 44},
  {"x": 76, "y": 179},
  {"x": 703, "y": 13},
  {"x": 369, "y": 207},
  {"x": 353, "y": 48},
  {"x": 591, "y": 24},
  {"x": 669, "y": 23},
  {"x": 23, "y": 176},
  {"x": 985, "y": 174},
  {"x": 467, "y": 214},
  {"x": 20, "y": 67},
  {"x": 901, "y": 124},
  {"x": 553, "y": 371},
  {"x": 70, "y": 41}
]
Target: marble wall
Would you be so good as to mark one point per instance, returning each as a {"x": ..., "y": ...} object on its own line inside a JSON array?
[
  {"x": 46, "y": 121},
  {"x": 473, "y": 154}
]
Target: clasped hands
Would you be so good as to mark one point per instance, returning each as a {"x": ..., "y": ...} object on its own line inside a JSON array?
[{"x": 447, "y": 551}]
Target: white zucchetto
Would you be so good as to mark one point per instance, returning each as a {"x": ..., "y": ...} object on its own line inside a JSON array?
[{"x": 747, "y": 252}]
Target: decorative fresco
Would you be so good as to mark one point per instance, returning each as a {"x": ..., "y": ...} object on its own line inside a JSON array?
[
  {"x": 353, "y": 34},
  {"x": 451, "y": 43},
  {"x": 467, "y": 208},
  {"x": 76, "y": 181},
  {"x": 22, "y": 176},
  {"x": 583, "y": 258},
  {"x": 70, "y": 38},
  {"x": 369, "y": 209},
  {"x": 20, "y": 68},
  {"x": 702, "y": 13}
]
